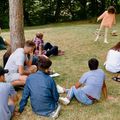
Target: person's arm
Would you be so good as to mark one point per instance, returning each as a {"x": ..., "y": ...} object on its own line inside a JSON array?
[
  {"x": 13, "y": 94},
  {"x": 77, "y": 85},
  {"x": 40, "y": 50},
  {"x": 22, "y": 71},
  {"x": 29, "y": 59},
  {"x": 104, "y": 90},
  {"x": 25, "y": 96},
  {"x": 81, "y": 81},
  {"x": 101, "y": 16}
]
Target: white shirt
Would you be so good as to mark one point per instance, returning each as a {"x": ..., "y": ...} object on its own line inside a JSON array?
[
  {"x": 16, "y": 59},
  {"x": 112, "y": 63}
]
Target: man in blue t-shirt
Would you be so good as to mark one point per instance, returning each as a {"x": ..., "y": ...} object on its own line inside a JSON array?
[
  {"x": 41, "y": 89},
  {"x": 8, "y": 97},
  {"x": 89, "y": 87}
]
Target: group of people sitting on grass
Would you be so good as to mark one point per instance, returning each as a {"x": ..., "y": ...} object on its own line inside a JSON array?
[{"x": 20, "y": 70}]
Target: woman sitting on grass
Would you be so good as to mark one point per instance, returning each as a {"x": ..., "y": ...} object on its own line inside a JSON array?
[{"x": 112, "y": 63}]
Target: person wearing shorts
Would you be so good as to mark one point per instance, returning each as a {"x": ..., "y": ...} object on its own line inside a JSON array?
[{"x": 17, "y": 73}]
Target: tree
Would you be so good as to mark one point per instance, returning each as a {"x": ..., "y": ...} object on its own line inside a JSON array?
[
  {"x": 57, "y": 12},
  {"x": 16, "y": 23}
]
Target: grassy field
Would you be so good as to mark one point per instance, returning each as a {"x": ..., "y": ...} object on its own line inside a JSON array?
[{"x": 77, "y": 40}]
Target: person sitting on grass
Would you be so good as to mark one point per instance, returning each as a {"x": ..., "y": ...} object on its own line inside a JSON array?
[
  {"x": 8, "y": 97},
  {"x": 41, "y": 89},
  {"x": 112, "y": 63},
  {"x": 3, "y": 44},
  {"x": 46, "y": 49},
  {"x": 6, "y": 56},
  {"x": 89, "y": 87},
  {"x": 17, "y": 72}
]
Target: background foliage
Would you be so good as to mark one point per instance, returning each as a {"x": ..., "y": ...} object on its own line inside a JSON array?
[{"x": 38, "y": 12}]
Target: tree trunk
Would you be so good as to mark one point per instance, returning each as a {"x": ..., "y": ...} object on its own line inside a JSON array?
[{"x": 16, "y": 24}]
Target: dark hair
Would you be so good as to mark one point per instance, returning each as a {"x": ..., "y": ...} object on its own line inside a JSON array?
[
  {"x": 3, "y": 71},
  {"x": 29, "y": 43},
  {"x": 93, "y": 63},
  {"x": 44, "y": 62},
  {"x": 116, "y": 47},
  {"x": 111, "y": 10}
]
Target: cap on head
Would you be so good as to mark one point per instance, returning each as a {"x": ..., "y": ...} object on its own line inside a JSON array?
[{"x": 3, "y": 71}]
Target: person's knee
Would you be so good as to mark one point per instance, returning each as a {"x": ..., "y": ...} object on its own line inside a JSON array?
[
  {"x": 55, "y": 50},
  {"x": 33, "y": 68},
  {"x": 18, "y": 82}
]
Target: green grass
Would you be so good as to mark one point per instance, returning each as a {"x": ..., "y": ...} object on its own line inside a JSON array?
[{"x": 77, "y": 40}]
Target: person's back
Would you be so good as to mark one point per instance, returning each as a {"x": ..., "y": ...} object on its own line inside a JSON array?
[
  {"x": 112, "y": 63},
  {"x": 41, "y": 94},
  {"x": 89, "y": 87},
  {"x": 108, "y": 19},
  {"x": 93, "y": 81},
  {"x": 113, "y": 55},
  {"x": 41, "y": 89},
  {"x": 12, "y": 63}
]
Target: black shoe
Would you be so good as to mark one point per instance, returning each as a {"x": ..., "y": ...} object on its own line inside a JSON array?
[{"x": 116, "y": 79}]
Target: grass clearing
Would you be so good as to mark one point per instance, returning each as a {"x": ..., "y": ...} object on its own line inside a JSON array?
[{"x": 77, "y": 40}]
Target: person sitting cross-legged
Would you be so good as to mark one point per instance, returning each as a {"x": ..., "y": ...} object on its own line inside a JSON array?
[
  {"x": 89, "y": 87},
  {"x": 42, "y": 90}
]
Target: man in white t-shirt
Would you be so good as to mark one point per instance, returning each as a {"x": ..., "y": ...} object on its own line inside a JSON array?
[{"x": 17, "y": 72}]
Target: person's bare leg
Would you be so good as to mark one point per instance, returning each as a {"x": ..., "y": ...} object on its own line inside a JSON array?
[
  {"x": 106, "y": 34},
  {"x": 20, "y": 82},
  {"x": 98, "y": 34}
]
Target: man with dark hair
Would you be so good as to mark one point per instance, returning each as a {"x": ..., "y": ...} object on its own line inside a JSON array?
[
  {"x": 41, "y": 89},
  {"x": 17, "y": 72},
  {"x": 8, "y": 97},
  {"x": 89, "y": 86},
  {"x": 93, "y": 64}
]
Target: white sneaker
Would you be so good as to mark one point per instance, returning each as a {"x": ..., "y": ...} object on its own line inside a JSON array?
[
  {"x": 60, "y": 89},
  {"x": 106, "y": 42},
  {"x": 55, "y": 114},
  {"x": 64, "y": 101}
]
